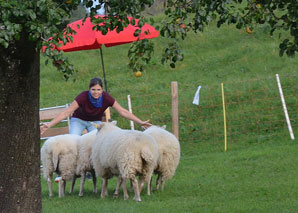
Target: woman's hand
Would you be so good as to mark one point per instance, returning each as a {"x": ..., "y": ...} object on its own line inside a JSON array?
[
  {"x": 126, "y": 114},
  {"x": 44, "y": 127},
  {"x": 67, "y": 112},
  {"x": 145, "y": 124}
]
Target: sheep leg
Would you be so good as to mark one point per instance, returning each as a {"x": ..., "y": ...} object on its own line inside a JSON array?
[
  {"x": 104, "y": 188},
  {"x": 61, "y": 186},
  {"x": 73, "y": 181},
  {"x": 142, "y": 183},
  {"x": 131, "y": 186},
  {"x": 135, "y": 184},
  {"x": 83, "y": 175},
  {"x": 94, "y": 179},
  {"x": 158, "y": 181},
  {"x": 119, "y": 182},
  {"x": 162, "y": 184},
  {"x": 125, "y": 194},
  {"x": 149, "y": 184},
  {"x": 50, "y": 185}
]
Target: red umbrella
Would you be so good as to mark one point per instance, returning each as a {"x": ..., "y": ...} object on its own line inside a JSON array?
[{"x": 86, "y": 38}]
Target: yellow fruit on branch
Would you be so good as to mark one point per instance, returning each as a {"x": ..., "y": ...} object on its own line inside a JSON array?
[
  {"x": 259, "y": 5},
  {"x": 178, "y": 20},
  {"x": 248, "y": 30},
  {"x": 138, "y": 73},
  {"x": 68, "y": 1}
]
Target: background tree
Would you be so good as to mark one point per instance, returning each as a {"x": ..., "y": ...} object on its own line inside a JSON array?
[
  {"x": 184, "y": 16},
  {"x": 79, "y": 13},
  {"x": 24, "y": 29}
]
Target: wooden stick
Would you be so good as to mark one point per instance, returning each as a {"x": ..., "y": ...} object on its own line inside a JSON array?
[
  {"x": 108, "y": 114},
  {"x": 175, "y": 118}
]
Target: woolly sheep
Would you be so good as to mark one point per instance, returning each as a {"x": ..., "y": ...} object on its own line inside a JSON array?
[
  {"x": 169, "y": 154},
  {"x": 59, "y": 154},
  {"x": 69, "y": 156},
  {"x": 124, "y": 153},
  {"x": 84, "y": 161}
]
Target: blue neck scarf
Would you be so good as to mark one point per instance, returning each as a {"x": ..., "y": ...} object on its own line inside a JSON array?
[{"x": 97, "y": 103}]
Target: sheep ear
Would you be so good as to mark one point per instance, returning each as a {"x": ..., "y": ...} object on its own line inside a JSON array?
[
  {"x": 164, "y": 126},
  {"x": 97, "y": 126}
]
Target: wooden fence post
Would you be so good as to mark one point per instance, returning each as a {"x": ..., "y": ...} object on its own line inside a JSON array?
[
  {"x": 108, "y": 114},
  {"x": 175, "y": 116}
]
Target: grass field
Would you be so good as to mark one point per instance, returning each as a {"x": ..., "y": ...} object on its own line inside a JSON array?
[{"x": 258, "y": 173}]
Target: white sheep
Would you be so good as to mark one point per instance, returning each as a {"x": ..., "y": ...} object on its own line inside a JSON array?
[
  {"x": 124, "y": 153},
  {"x": 69, "y": 156},
  {"x": 84, "y": 161},
  {"x": 169, "y": 154},
  {"x": 59, "y": 154}
]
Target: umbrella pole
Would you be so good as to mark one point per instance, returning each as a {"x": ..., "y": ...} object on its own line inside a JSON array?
[
  {"x": 107, "y": 111},
  {"x": 103, "y": 69}
]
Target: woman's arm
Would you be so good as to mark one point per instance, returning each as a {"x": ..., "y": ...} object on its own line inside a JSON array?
[
  {"x": 60, "y": 117},
  {"x": 126, "y": 114}
]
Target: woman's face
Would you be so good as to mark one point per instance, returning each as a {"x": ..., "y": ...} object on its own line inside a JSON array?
[{"x": 96, "y": 91}]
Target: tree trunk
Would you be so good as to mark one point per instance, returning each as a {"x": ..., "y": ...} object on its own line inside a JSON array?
[{"x": 20, "y": 189}]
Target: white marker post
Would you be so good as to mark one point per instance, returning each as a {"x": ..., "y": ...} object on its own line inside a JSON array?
[
  {"x": 284, "y": 107},
  {"x": 132, "y": 127}
]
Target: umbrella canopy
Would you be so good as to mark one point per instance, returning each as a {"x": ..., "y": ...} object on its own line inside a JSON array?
[{"x": 86, "y": 38}]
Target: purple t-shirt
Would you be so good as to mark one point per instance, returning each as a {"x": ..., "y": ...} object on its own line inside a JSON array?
[{"x": 87, "y": 111}]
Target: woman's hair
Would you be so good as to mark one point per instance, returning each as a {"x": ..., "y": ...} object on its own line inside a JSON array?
[{"x": 95, "y": 81}]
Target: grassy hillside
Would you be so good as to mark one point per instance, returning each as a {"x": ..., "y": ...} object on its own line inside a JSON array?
[{"x": 258, "y": 171}]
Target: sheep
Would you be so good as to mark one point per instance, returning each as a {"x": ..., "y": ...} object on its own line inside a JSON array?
[
  {"x": 84, "y": 162},
  {"x": 169, "y": 154},
  {"x": 124, "y": 153},
  {"x": 59, "y": 154},
  {"x": 69, "y": 156}
]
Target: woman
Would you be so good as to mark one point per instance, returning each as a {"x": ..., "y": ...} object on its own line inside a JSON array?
[{"x": 88, "y": 107}]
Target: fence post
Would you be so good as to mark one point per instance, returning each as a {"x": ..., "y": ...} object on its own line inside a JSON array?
[
  {"x": 108, "y": 114},
  {"x": 224, "y": 115},
  {"x": 284, "y": 107},
  {"x": 68, "y": 118},
  {"x": 175, "y": 118},
  {"x": 132, "y": 127}
]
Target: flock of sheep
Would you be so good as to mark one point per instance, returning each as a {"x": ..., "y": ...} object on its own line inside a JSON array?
[{"x": 111, "y": 151}]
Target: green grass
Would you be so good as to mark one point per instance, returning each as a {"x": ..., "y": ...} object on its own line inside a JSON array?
[
  {"x": 257, "y": 173},
  {"x": 260, "y": 178}
]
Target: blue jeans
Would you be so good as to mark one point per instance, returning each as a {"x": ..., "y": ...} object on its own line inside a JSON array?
[{"x": 77, "y": 126}]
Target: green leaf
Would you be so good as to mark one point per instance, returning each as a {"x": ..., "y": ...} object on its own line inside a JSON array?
[
  {"x": 31, "y": 14},
  {"x": 89, "y": 4}
]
